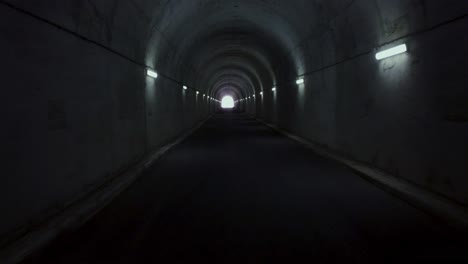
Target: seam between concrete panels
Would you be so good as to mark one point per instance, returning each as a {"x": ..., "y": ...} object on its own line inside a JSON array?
[
  {"x": 71, "y": 32},
  {"x": 84, "y": 38},
  {"x": 363, "y": 53}
]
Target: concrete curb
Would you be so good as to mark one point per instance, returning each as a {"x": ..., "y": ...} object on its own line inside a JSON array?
[
  {"x": 432, "y": 203},
  {"x": 81, "y": 211}
]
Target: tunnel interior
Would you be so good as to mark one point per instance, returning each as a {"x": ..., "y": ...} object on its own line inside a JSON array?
[{"x": 93, "y": 88}]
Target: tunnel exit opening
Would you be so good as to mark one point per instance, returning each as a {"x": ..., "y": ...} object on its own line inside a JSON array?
[{"x": 227, "y": 102}]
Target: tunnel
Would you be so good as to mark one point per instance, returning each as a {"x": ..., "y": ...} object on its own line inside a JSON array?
[{"x": 234, "y": 131}]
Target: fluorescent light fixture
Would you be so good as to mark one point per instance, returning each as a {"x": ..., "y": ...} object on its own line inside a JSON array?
[
  {"x": 151, "y": 73},
  {"x": 185, "y": 87},
  {"x": 391, "y": 52},
  {"x": 273, "y": 89},
  {"x": 300, "y": 81}
]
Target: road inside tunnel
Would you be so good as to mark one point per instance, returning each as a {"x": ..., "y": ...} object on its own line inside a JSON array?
[{"x": 236, "y": 191}]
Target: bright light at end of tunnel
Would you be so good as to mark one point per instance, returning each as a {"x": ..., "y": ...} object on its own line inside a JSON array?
[
  {"x": 391, "y": 52},
  {"x": 300, "y": 81},
  {"x": 227, "y": 102},
  {"x": 151, "y": 73}
]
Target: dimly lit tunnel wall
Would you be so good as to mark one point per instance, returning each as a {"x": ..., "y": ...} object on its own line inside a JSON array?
[{"x": 81, "y": 110}]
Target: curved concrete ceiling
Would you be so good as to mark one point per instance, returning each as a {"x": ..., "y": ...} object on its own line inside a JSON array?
[
  {"x": 190, "y": 41},
  {"x": 215, "y": 38}
]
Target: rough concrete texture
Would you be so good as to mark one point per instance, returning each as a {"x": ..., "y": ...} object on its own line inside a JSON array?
[
  {"x": 75, "y": 118},
  {"x": 84, "y": 62}
]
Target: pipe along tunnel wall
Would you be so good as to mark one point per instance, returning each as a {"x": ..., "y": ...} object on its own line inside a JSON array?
[{"x": 81, "y": 110}]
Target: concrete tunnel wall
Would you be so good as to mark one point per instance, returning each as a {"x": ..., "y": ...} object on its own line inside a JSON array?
[
  {"x": 81, "y": 110},
  {"x": 406, "y": 115},
  {"x": 78, "y": 113}
]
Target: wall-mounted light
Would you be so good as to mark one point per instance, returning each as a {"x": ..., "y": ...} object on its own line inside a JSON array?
[
  {"x": 391, "y": 52},
  {"x": 151, "y": 73},
  {"x": 300, "y": 81},
  {"x": 198, "y": 92},
  {"x": 273, "y": 89},
  {"x": 185, "y": 87},
  {"x": 261, "y": 93}
]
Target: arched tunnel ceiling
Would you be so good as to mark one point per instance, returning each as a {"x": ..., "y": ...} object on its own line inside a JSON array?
[
  {"x": 217, "y": 39},
  {"x": 182, "y": 38},
  {"x": 190, "y": 41},
  {"x": 245, "y": 78},
  {"x": 256, "y": 61}
]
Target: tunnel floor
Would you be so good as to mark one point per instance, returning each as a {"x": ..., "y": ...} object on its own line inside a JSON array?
[{"x": 237, "y": 192}]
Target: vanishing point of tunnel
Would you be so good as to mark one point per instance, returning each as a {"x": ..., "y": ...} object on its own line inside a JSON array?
[{"x": 234, "y": 131}]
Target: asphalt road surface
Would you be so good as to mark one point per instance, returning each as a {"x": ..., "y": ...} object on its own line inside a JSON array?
[{"x": 238, "y": 192}]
